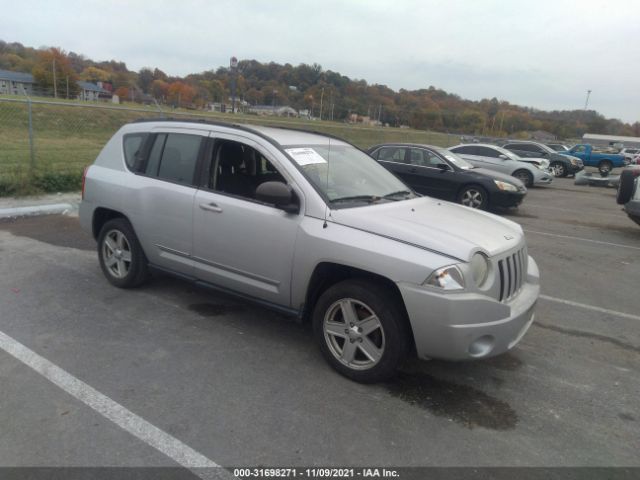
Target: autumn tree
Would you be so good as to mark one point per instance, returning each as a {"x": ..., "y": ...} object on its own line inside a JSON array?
[
  {"x": 53, "y": 73},
  {"x": 94, "y": 74},
  {"x": 179, "y": 94}
]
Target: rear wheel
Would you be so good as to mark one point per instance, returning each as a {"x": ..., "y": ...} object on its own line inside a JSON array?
[
  {"x": 473, "y": 196},
  {"x": 361, "y": 330},
  {"x": 525, "y": 177},
  {"x": 558, "y": 169},
  {"x": 121, "y": 257},
  {"x": 605, "y": 167}
]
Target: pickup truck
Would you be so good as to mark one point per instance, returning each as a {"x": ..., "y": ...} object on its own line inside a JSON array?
[{"x": 604, "y": 161}]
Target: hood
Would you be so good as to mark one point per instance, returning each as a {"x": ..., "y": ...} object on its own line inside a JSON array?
[
  {"x": 443, "y": 227},
  {"x": 503, "y": 177}
]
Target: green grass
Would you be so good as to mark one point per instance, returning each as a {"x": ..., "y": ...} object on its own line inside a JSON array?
[{"x": 68, "y": 137}]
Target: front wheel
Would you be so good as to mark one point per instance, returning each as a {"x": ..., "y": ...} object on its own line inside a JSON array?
[
  {"x": 525, "y": 177},
  {"x": 473, "y": 196},
  {"x": 121, "y": 257},
  {"x": 361, "y": 330},
  {"x": 558, "y": 169}
]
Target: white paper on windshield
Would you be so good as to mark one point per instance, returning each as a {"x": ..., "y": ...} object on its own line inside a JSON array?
[{"x": 305, "y": 156}]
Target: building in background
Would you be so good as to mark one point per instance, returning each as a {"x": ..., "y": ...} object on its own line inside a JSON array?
[
  {"x": 610, "y": 140},
  {"x": 90, "y": 92},
  {"x": 16, "y": 83}
]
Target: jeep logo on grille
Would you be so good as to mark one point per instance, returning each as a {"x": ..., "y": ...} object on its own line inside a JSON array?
[{"x": 508, "y": 237}]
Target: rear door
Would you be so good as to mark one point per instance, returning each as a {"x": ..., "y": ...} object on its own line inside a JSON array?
[
  {"x": 164, "y": 195},
  {"x": 428, "y": 177}
]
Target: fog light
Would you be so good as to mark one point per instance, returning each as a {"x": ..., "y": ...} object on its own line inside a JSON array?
[{"x": 482, "y": 346}]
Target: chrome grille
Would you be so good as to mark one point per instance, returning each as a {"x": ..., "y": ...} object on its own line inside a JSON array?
[{"x": 513, "y": 272}]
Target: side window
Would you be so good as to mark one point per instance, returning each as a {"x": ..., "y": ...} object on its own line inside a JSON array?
[
  {"x": 523, "y": 147},
  {"x": 392, "y": 154},
  {"x": 154, "y": 157},
  {"x": 466, "y": 150},
  {"x": 239, "y": 169},
  {"x": 579, "y": 149},
  {"x": 179, "y": 157},
  {"x": 487, "y": 152},
  {"x": 132, "y": 145},
  {"x": 424, "y": 158}
]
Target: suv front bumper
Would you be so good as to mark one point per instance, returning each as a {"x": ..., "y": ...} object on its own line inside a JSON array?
[{"x": 465, "y": 326}]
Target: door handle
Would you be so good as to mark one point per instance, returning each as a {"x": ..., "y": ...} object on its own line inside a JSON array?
[
  {"x": 210, "y": 207},
  {"x": 413, "y": 170}
]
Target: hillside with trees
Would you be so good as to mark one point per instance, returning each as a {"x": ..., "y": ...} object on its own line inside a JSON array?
[{"x": 323, "y": 93}]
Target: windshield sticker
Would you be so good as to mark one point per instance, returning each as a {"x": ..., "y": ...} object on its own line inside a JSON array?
[{"x": 305, "y": 156}]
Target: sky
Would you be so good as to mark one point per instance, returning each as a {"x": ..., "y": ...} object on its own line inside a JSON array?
[{"x": 542, "y": 54}]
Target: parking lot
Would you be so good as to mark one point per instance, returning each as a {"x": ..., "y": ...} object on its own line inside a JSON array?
[{"x": 234, "y": 384}]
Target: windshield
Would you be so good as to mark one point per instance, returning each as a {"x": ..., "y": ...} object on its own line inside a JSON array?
[
  {"x": 345, "y": 174},
  {"x": 455, "y": 159}
]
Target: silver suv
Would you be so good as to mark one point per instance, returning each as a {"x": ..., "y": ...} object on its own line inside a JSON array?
[{"x": 313, "y": 227}]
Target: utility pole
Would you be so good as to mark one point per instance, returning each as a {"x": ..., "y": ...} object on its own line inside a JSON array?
[
  {"x": 67, "y": 87},
  {"x": 233, "y": 67},
  {"x": 55, "y": 88},
  {"x": 586, "y": 103},
  {"x": 332, "y": 105},
  {"x": 321, "y": 97}
]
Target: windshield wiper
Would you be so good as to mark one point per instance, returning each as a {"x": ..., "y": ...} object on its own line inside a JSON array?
[
  {"x": 357, "y": 198},
  {"x": 389, "y": 196}
]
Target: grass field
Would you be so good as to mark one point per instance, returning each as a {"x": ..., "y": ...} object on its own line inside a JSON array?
[{"x": 67, "y": 136}]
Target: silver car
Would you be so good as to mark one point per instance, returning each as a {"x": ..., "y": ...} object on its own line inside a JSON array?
[
  {"x": 312, "y": 227},
  {"x": 501, "y": 160}
]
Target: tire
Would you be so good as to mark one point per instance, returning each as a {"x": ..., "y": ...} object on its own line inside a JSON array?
[
  {"x": 368, "y": 357},
  {"x": 473, "y": 196},
  {"x": 559, "y": 169},
  {"x": 605, "y": 167},
  {"x": 625, "y": 187},
  {"x": 121, "y": 258},
  {"x": 525, "y": 177}
]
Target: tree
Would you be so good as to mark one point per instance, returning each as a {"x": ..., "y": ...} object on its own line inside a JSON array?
[
  {"x": 145, "y": 79},
  {"x": 180, "y": 94},
  {"x": 94, "y": 74},
  {"x": 159, "y": 89},
  {"x": 53, "y": 63}
]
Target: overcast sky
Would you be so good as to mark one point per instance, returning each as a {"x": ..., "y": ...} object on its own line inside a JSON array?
[{"x": 543, "y": 54}]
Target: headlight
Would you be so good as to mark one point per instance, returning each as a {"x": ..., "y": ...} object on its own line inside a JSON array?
[
  {"x": 479, "y": 268},
  {"x": 447, "y": 278},
  {"x": 506, "y": 187},
  {"x": 574, "y": 161}
]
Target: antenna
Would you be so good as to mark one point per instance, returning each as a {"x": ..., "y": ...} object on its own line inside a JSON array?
[{"x": 326, "y": 206}]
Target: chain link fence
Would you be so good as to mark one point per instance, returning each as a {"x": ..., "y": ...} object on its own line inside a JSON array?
[{"x": 45, "y": 145}]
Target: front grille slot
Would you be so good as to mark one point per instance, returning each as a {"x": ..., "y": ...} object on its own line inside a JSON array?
[{"x": 512, "y": 271}]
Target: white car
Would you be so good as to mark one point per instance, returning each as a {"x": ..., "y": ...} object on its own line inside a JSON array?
[
  {"x": 630, "y": 154},
  {"x": 492, "y": 157}
]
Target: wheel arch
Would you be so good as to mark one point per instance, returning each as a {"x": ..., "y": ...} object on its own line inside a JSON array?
[
  {"x": 102, "y": 215},
  {"x": 327, "y": 274}
]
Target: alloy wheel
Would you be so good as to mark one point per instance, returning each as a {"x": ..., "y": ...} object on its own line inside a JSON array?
[
  {"x": 354, "y": 334},
  {"x": 116, "y": 252},
  {"x": 472, "y": 198}
]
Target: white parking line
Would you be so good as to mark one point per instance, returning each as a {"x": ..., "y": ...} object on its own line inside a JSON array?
[
  {"x": 590, "y": 307},
  {"x": 599, "y": 242},
  {"x": 124, "y": 418}
]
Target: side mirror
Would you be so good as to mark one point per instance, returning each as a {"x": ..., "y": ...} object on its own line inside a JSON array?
[
  {"x": 278, "y": 194},
  {"x": 503, "y": 157},
  {"x": 443, "y": 167}
]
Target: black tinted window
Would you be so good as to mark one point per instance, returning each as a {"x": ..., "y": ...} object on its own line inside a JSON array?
[
  {"x": 132, "y": 145},
  {"x": 179, "y": 158},
  {"x": 468, "y": 150},
  {"x": 487, "y": 152},
  {"x": 523, "y": 147},
  {"x": 392, "y": 154},
  {"x": 154, "y": 157}
]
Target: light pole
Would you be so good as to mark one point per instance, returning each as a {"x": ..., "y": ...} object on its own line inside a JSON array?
[
  {"x": 233, "y": 66},
  {"x": 321, "y": 97},
  {"x": 586, "y": 103}
]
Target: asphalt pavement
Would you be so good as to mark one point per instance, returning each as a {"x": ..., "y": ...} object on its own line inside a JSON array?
[{"x": 240, "y": 385}]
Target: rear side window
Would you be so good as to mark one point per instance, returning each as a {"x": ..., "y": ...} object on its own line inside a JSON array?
[
  {"x": 467, "y": 150},
  {"x": 173, "y": 157},
  {"x": 487, "y": 152},
  {"x": 132, "y": 145},
  {"x": 392, "y": 154}
]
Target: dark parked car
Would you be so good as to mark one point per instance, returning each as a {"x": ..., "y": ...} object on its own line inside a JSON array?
[
  {"x": 442, "y": 174},
  {"x": 629, "y": 192},
  {"x": 558, "y": 147},
  {"x": 560, "y": 165}
]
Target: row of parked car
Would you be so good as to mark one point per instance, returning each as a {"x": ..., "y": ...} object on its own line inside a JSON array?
[{"x": 482, "y": 176}]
